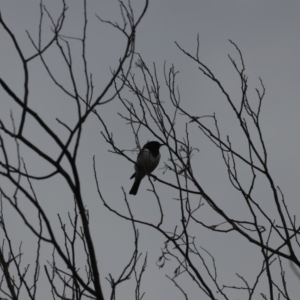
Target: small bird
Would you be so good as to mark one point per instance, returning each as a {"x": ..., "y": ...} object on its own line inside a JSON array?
[{"x": 146, "y": 162}]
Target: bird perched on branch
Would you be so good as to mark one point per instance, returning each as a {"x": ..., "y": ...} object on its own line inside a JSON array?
[{"x": 146, "y": 162}]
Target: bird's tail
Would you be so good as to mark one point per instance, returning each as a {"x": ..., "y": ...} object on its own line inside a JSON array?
[{"x": 135, "y": 187}]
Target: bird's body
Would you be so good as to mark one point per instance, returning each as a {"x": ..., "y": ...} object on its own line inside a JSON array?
[{"x": 147, "y": 161}]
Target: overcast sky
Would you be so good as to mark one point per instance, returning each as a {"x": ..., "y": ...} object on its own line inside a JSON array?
[{"x": 267, "y": 32}]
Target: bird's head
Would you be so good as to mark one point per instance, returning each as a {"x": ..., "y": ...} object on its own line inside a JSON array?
[{"x": 153, "y": 145}]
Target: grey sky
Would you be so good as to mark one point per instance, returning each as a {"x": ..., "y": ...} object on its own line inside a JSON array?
[{"x": 267, "y": 33}]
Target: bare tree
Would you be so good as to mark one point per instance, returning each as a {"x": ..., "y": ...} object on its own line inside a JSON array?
[
  {"x": 271, "y": 228},
  {"x": 66, "y": 279}
]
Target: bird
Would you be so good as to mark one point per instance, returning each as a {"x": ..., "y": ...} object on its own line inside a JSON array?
[{"x": 146, "y": 162}]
